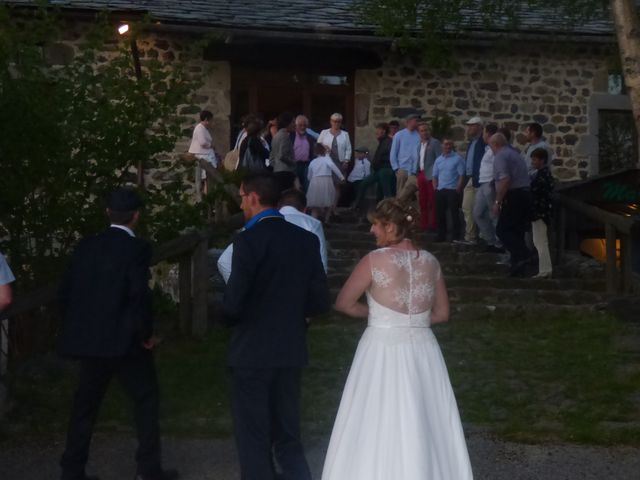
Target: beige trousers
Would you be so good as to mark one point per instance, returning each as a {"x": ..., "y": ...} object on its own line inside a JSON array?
[
  {"x": 468, "y": 199},
  {"x": 401, "y": 179},
  {"x": 541, "y": 242}
]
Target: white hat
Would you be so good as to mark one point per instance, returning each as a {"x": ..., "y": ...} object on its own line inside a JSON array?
[{"x": 474, "y": 121}]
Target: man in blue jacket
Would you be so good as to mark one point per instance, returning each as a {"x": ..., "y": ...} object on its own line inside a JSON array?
[{"x": 475, "y": 152}]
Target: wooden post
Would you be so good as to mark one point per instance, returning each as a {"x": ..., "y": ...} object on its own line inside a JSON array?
[
  {"x": 4, "y": 346},
  {"x": 626, "y": 264},
  {"x": 200, "y": 288},
  {"x": 611, "y": 267},
  {"x": 185, "y": 291},
  {"x": 561, "y": 234}
]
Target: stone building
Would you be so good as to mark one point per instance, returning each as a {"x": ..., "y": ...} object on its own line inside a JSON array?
[{"x": 315, "y": 58}]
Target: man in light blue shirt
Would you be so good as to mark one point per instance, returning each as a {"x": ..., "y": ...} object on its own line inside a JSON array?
[
  {"x": 448, "y": 181},
  {"x": 404, "y": 152}
]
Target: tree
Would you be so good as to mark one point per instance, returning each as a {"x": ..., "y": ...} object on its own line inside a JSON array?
[
  {"x": 434, "y": 26},
  {"x": 71, "y": 133}
]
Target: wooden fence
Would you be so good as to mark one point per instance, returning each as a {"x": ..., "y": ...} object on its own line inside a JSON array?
[
  {"x": 619, "y": 279},
  {"x": 189, "y": 251}
]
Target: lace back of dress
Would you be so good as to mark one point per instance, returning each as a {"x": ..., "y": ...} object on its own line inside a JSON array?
[{"x": 403, "y": 280}]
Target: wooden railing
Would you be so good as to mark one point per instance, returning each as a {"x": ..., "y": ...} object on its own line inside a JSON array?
[
  {"x": 189, "y": 251},
  {"x": 618, "y": 280}
]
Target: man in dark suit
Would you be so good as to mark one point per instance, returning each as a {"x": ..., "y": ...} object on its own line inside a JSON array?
[
  {"x": 277, "y": 281},
  {"x": 108, "y": 327}
]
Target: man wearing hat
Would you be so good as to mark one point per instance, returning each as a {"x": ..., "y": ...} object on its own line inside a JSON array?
[
  {"x": 475, "y": 152},
  {"x": 108, "y": 328},
  {"x": 404, "y": 152}
]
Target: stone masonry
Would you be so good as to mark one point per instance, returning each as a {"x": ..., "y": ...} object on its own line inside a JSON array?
[{"x": 551, "y": 88}]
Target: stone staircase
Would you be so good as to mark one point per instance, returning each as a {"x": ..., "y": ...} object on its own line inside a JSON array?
[{"x": 478, "y": 286}]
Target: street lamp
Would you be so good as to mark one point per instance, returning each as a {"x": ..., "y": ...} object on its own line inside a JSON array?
[{"x": 135, "y": 54}]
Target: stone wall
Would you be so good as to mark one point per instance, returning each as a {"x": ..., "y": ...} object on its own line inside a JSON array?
[
  {"x": 213, "y": 95},
  {"x": 511, "y": 89}
]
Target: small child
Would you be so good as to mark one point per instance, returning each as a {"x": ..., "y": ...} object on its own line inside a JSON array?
[
  {"x": 321, "y": 194},
  {"x": 361, "y": 170}
]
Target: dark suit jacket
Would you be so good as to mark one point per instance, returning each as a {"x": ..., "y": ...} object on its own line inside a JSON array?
[
  {"x": 477, "y": 160},
  {"x": 277, "y": 280},
  {"x": 433, "y": 151},
  {"x": 105, "y": 296}
]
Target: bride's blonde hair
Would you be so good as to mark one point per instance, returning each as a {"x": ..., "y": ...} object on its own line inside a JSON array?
[{"x": 393, "y": 211}]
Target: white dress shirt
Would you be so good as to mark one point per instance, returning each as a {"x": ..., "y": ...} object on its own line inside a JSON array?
[
  {"x": 291, "y": 215},
  {"x": 122, "y": 227},
  {"x": 486, "y": 166},
  {"x": 361, "y": 169}
]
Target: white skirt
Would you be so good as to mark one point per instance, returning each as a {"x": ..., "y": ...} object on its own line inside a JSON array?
[{"x": 321, "y": 192}]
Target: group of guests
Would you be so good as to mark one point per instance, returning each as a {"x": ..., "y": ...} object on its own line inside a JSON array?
[
  {"x": 501, "y": 200},
  {"x": 323, "y": 165},
  {"x": 502, "y": 193}
]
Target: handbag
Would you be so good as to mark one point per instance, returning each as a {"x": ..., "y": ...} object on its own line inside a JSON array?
[{"x": 231, "y": 160}]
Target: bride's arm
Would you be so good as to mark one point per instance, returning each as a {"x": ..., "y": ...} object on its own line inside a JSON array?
[
  {"x": 440, "y": 308},
  {"x": 360, "y": 279}
]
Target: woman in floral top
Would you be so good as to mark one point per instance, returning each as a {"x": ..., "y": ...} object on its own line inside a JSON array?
[{"x": 542, "y": 206}]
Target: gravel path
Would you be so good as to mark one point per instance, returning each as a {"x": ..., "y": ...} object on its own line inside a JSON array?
[{"x": 204, "y": 459}]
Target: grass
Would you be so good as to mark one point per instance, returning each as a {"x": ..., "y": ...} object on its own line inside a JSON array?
[{"x": 566, "y": 377}]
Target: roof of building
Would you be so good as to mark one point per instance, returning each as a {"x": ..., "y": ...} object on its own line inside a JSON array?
[{"x": 328, "y": 16}]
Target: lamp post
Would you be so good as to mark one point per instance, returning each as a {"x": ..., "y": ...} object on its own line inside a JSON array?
[{"x": 123, "y": 29}]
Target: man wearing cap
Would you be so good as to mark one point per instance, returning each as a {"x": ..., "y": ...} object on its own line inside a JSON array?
[
  {"x": 404, "y": 152},
  {"x": 475, "y": 152},
  {"x": 108, "y": 328}
]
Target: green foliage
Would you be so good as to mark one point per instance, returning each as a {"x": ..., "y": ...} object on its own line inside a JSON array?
[
  {"x": 441, "y": 125},
  {"x": 73, "y": 132},
  {"x": 430, "y": 28}
]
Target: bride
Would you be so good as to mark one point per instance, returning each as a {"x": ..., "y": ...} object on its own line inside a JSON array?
[{"x": 398, "y": 418}]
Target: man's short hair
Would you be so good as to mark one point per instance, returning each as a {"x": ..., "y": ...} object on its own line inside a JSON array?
[
  {"x": 284, "y": 119},
  {"x": 491, "y": 129},
  {"x": 120, "y": 218},
  {"x": 498, "y": 139},
  {"x": 536, "y": 129},
  {"x": 205, "y": 115},
  {"x": 506, "y": 132},
  {"x": 265, "y": 185},
  {"x": 384, "y": 127},
  {"x": 541, "y": 154},
  {"x": 394, "y": 123},
  {"x": 302, "y": 118},
  {"x": 293, "y": 198}
]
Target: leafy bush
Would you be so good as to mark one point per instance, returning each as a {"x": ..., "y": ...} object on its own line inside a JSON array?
[{"x": 71, "y": 133}]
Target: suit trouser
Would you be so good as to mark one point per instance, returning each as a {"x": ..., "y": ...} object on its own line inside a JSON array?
[
  {"x": 483, "y": 213},
  {"x": 468, "y": 199},
  {"x": 448, "y": 200},
  {"x": 266, "y": 417},
  {"x": 541, "y": 242},
  {"x": 385, "y": 181},
  {"x": 401, "y": 178},
  {"x": 302, "y": 169},
  {"x": 427, "y": 202},
  {"x": 137, "y": 374},
  {"x": 513, "y": 223}
]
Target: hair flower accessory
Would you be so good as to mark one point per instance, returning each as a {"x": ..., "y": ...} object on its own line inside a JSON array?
[{"x": 409, "y": 218}]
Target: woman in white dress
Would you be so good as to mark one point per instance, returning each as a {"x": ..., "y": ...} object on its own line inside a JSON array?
[
  {"x": 321, "y": 194},
  {"x": 398, "y": 418}
]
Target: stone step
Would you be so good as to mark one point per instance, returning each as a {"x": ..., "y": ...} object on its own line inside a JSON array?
[
  {"x": 526, "y": 296},
  {"x": 337, "y": 279}
]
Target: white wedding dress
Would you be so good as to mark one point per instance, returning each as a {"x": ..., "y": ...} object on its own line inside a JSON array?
[{"x": 398, "y": 418}]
